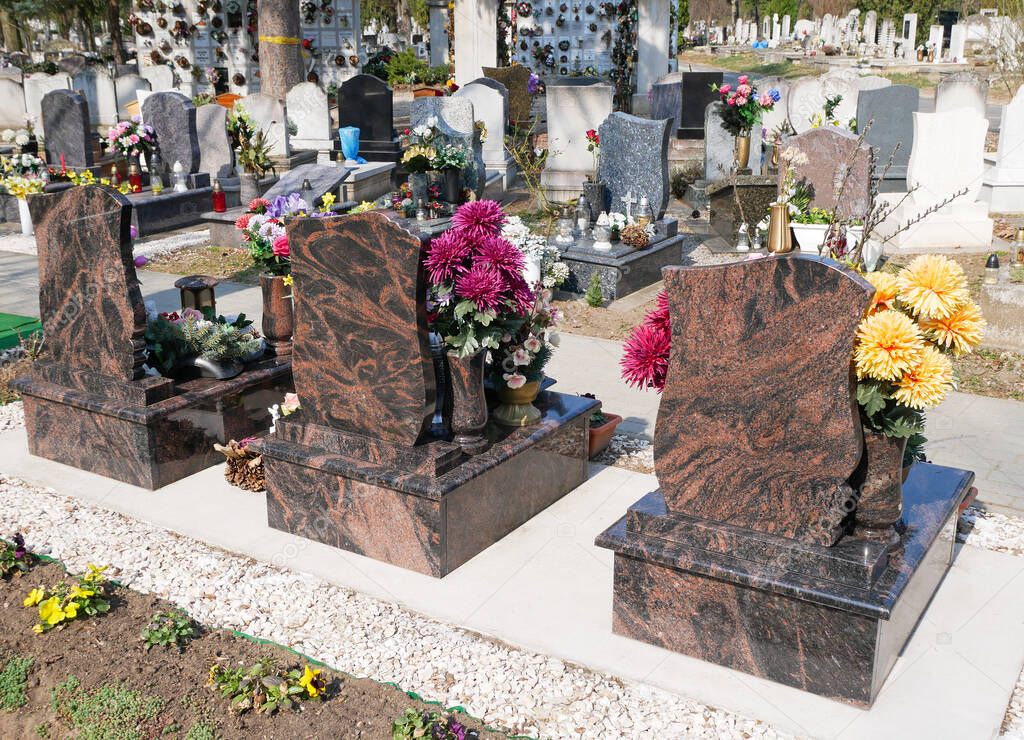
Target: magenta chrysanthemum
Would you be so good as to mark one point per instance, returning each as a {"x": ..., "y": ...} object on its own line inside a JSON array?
[
  {"x": 523, "y": 298},
  {"x": 483, "y": 285},
  {"x": 502, "y": 254},
  {"x": 479, "y": 219},
  {"x": 658, "y": 316},
  {"x": 446, "y": 257},
  {"x": 645, "y": 357}
]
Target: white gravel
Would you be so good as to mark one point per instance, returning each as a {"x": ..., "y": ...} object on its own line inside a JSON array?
[
  {"x": 156, "y": 245},
  {"x": 992, "y": 531},
  {"x": 510, "y": 689},
  {"x": 12, "y": 415},
  {"x": 627, "y": 451}
]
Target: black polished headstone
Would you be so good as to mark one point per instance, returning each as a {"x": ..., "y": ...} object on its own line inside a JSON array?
[
  {"x": 366, "y": 102},
  {"x": 696, "y": 96}
]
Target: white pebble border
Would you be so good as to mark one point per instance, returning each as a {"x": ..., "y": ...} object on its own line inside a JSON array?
[
  {"x": 627, "y": 451},
  {"x": 993, "y": 531},
  {"x": 12, "y": 415},
  {"x": 510, "y": 689}
]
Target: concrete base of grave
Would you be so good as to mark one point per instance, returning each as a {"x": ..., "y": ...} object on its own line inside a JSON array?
[
  {"x": 293, "y": 160},
  {"x": 1003, "y": 190},
  {"x": 367, "y": 181},
  {"x": 562, "y": 186},
  {"x": 222, "y": 225},
  {"x": 1002, "y": 305}
]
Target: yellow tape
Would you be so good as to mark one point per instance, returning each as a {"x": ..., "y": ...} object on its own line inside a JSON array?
[{"x": 285, "y": 40}]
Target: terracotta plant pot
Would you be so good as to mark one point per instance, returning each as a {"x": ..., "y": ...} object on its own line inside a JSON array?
[
  {"x": 601, "y": 436},
  {"x": 879, "y": 482},
  {"x": 517, "y": 409},
  {"x": 278, "y": 314}
]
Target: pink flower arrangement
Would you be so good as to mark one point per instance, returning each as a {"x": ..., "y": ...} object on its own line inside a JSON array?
[
  {"x": 131, "y": 138},
  {"x": 742, "y": 107},
  {"x": 475, "y": 279},
  {"x": 646, "y": 351}
]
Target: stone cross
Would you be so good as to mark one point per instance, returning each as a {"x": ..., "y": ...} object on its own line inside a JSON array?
[{"x": 629, "y": 200}]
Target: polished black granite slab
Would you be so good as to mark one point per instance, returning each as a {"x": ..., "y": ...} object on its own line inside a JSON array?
[
  {"x": 829, "y": 620},
  {"x": 362, "y": 496}
]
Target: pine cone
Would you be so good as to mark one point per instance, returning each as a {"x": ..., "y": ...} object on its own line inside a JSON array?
[
  {"x": 244, "y": 469},
  {"x": 635, "y": 236}
]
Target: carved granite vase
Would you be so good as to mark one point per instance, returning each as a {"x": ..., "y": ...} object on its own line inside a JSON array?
[
  {"x": 469, "y": 407},
  {"x": 278, "y": 314},
  {"x": 879, "y": 480}
]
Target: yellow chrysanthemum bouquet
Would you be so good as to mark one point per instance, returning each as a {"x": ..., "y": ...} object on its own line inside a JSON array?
[{"x": 918, "y": 319}]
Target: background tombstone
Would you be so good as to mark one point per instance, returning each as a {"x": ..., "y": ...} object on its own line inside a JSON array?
[
  {"x": 720, "y": 148},
  {"x": 160, "y": 77},
  {"x": 1003, "y": 184},
  {"x": 309, "y": 112},
  {"x": 871, "y": 82},
  {"x": 455, "y": 118},
  {"x": 778, "y": 116},
  {"x": 125, "y": 89},
  {"x": 892, "y": 111},
  {"x": 323, "y": 178},
  {"x": 961, "y": 90},
  {"x": 833, "y": 156},
  {"x": 634, "y": 159},
  {"x": 366, "y": 102},
  {"x": 516, "y": 80},
  {"x": 98, "y": 88},
  {"x": 271, "y": 116},
  {"x": 173, "y": 117},
  {"x": 72, "y": 64},
  {"x": 807, "y": 99},
  {"x": 12, "y": 104},
  {"x": 65, "y": 115},
  {"x": 490, "y": 105},
  {"x": 216, "y": 155},
  {"x": 571, "y": 111},
  {"x": 12, "y": 72},
  {"x": 36, "y": 87},
  {"x": 696, "y": 94},
  {"x": 667, "y": 99}
]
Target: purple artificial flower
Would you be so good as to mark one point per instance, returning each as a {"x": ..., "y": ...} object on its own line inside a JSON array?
[
  {"x": 479, "y": 219},
  {"x": 533, "y": 84},
  {"x": 133, "y": 231},
  {"x": 287, "y": 205},
  {"x": 484, "y": 285},
  {"x": 141, "y": 261},
  {"x": 502, "y": 254},
  {"x": 446, "y": 257}
]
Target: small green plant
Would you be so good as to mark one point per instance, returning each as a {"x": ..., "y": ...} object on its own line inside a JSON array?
[
  {"x": 111, "y": 712},
  {"x": 202, "y": 730},
  {"x": 14, "y": 682},
  {"x": 14, "y": 558},
  {"x": 61, "y": 603},
  {"x": 264, "y": 688},
  {"x": 42, "y": 729},
  {"x": 594, "y": 296},
  {"x": 597, "y": 418},
  {"x": 169, "y": 629},
  {"x": 415, "y": 723}
]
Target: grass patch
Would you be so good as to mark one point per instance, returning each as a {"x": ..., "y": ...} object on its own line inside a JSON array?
[
  {"x": 914, "y": 79},
  {"x": 223, "y": 263},
  {"x": 14, "y": 683},
  {"x": 751, "y": 64},
  {"x": 109, "y": 713}
]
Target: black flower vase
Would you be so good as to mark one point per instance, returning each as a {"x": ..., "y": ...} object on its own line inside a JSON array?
[
  {"x": 452, "y": 184},
  {"x": 469, "y": 407},
  {"x": 597, "y": 196}
]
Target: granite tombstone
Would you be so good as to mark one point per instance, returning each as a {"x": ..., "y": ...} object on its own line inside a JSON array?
[
  {"x": 696, "y": 94},
  {"x": 366, "y": 102},
  {"x": 173, "y": 117},
  {"x": 837, "y": 171},
  {"x": 66, "y": 123},
  {"x": 886, "y": 116},
  {"x": 217, "y": 156},
  {"x": 634, "y": 160}
]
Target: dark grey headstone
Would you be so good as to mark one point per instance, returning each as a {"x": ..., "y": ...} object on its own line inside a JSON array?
[
  {"x": 892, "y": 111},
  {"x": 366, "y": 102},
  {"x": 696, "y": 94},
  {"x": 322, "y": 177},
  {"x": 173, "y": 116},
  {"x": 216, "y": 155},
  {"x": 634, "y": 157},
  {"x": 667, "y": 101},
  {"x": 66, "y": 123}
]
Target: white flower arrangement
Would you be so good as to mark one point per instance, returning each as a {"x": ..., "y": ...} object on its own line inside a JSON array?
[
  {"x": 7, "y": 135},
  {"x": 536, "y": 247},
  {"x": 22, "y": 139}
]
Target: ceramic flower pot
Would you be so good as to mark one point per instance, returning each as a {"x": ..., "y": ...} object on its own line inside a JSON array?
[
  {"x": 879, "y": 482},
  {"x": 517, "y": 409},
  {"x": 469, "y": 407},
  {"x": 810, "y": 237},
  {"x": 278, "y": 314},
  {"x": 601, "y": 436}
]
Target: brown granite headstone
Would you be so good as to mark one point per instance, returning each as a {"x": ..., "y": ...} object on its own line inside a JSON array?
[
  {"x": 757, "y": 425},
  {"x": 91, "y": 305},
  {"x": 832, "y": 157},
  {"x": 361, "y": 354},
  {"x": 516, "y": 79}
]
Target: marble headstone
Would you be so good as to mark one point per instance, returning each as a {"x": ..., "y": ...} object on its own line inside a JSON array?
[
  {"x": 366, "y": 102},
  {"x": 634, "y": 159},
  {"x": 490, "y": 105},
  {"x": 11, "y": 72},
  {"x": 720, "y": 148},
  {"x": 696, "y": 94},
  {"x": 126, "y": 88},
  {"x": 160, "y": 77},
  {"x": 98, "y": 88},
  {"x": 37, "y": 85},
  {"x": 516, "y": 80},
  {"x": 454, "y": 115},
  {"x": 173, "y": 117},
  {"x": 323, "y": 179},
  {"x": 571, "y": 111},
  {"x": 886, "y": 118},
  {"x": 807, "y": 99},
  {"x": 756, "y": 462},
  {"x": 837, "y": 171},
  {"x": 961, "y": 90},
  {"x": 947, "y": 155},
  {"x": 271, "y": 117},
  {"x": 216, "y": 155},
  {"x": 65, "y": 116},
  {"x": 1003, "y": 185},
  {"x": 12, "y": 104},
  {"x": 308, "y": 111}
]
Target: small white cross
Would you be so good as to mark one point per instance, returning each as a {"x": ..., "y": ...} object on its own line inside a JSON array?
[{"x": 629, "y": 200}]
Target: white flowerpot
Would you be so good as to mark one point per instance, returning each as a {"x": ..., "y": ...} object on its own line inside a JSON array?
[
  {"x": 532, "y": 273},
  {"x": 809, "y": 237},
  {"x": 26, "y": 217}
]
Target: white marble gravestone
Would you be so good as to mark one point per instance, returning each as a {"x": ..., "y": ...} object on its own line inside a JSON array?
[
  {"x": 310, "y": 116},
  {"x": 807, "y": 99},
  {"x": 36, "y": 87},
  {"x": 958, "y": 43},
  {"x": 490, "y": 105},
  {"x": 948, "y": 156},
  {"x": 870, "y": 32},
  {"x": 271, "y": 116},
  {"x": 126, "y": 88},
  {"x": 1003, "y": 184},
  {"x": 961, "y": 90},
  {"x": 12, "y": 104},
  {"x": 98, "y": 88},
  {"x": 571, "y": 111}
]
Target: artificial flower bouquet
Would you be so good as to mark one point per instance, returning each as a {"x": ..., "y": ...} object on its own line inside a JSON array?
[
  {"x": 419, "y": 145},
  {"x": 553, "y": 272},
  {"x": 525, "y": 349},
  {"x": 25, "y": 164},
  {"x": 131, "y": 138},
  {"x": 918, "y": 320},
  {"x": 402, "y": 200},
  {"x": 22, "y": 186},
  {"x": 451, "y": 156},
  {"x": 594, "y": 147},
  {"x": 742, "y": 106},
  {"x": 262, "y": 227},
  {"x": 476, "y": 289},
  {"x": 174, "y": 337}
]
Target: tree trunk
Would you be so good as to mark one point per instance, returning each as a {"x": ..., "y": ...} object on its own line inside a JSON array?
[
  {"x": 403, "y": 19},
  {"x": 280, "y": 61},
  {"x": 12, "y": 39},
  {"x": 114, "y": 29}
]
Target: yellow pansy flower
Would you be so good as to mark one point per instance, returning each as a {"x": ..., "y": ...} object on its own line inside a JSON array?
[
  {"x": 34, "y": 597},
  {"x": 71, "y": 610},
  {"x": 94, "y": 573},
  {"x": 50, "y": 611},
  {"x": 310, "y": 683},
  {"x": 82, "y": 593}
]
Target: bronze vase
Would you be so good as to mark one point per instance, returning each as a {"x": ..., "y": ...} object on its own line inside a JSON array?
[
  {"x": 278, "y": 314},
  {"x": 879, "y": 482},
  {"x": 469, "y": 407},
  {"x": 742, "y": 151},
  {"x": 780, "y": 238}
]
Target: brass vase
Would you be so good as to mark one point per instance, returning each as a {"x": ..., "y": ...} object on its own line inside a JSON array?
[
  {"x": 742, "y": 151},
  {"x": 780, "y": 238},
  {"x": 517, "y": 409},
  {"x": 278, "y": 314}
]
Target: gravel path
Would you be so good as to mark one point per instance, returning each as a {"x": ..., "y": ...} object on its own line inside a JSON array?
[{"x": 12, "y": 416}]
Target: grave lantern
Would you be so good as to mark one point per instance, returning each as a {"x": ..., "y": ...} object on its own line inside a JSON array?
[{"x": 197, "y": 292}]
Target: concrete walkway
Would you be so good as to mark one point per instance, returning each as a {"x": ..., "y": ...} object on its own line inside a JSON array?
[
  {"x": 975, "y": 432},
  {"x": 546, "y": 587}
]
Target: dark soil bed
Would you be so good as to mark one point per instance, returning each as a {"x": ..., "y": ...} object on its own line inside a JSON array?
[{"x": 171, "y": 698}]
